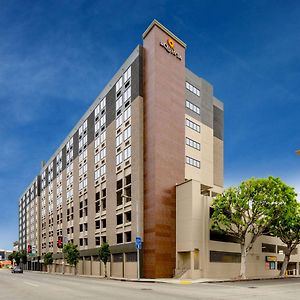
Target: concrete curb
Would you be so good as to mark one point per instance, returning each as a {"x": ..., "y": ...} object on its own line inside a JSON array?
[{"x": 166, "y": 280}]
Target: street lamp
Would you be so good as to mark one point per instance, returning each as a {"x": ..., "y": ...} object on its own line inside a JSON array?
[{"x": 137, "y": 234}]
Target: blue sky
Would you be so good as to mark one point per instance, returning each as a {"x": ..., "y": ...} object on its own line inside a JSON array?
[{"x": 56, "y": 56}]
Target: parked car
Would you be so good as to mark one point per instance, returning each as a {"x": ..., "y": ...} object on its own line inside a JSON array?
[{"x": 17, "y": 269}]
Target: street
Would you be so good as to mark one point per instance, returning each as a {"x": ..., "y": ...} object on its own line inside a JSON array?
[{"x": 36, "y": 286}]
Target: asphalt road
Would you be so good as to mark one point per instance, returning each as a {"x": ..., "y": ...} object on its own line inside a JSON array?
[{"x": 40, "y": 286}]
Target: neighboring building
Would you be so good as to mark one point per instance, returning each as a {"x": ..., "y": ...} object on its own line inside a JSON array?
[
  {"x": 29, "y": 219},
  {"x": 144, "y": 160},
  {"x": 4, "y": 254}
]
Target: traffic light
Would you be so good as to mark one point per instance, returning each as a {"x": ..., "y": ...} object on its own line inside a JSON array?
[
  {"x": 60, "y": 242},
  {"x": 29, "y": 249}
]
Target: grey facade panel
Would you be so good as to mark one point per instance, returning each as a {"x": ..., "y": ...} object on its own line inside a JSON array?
[
  {"x": 54, "y": 168},
  {"x": 218, "y": 123},
  {"x": 75, "y": 144},
  {"x": 137, "y": 77},
  {"x": 204, "y": 102},
  {"x": 39, "y": 185},
  {"x": 111, "y": 106},
  {"x": 91, "y": 127},
  {"x": 46, "y": 177},
  {"x": 64, "y": 159}
]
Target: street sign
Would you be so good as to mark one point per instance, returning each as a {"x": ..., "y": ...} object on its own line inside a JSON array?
[{"x": 138, "y": 242}]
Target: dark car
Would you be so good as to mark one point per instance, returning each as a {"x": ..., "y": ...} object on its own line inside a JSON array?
[{"x": 17, "y": 269}]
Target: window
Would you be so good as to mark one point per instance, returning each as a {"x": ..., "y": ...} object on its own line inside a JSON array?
[
  {"x": 128, "y": 236},
  {"x": 102, "y": 137},
  {"x": 118, "y": 158},
  {"x": 120, "y": 219},
  {"x": 268, "y": 248},
  {"x": 118, "y": 257},
  {"x": 97, "y": 110},
  {"x": 97, "y": 126},
  {"x": 119, "y": 103},
  {"x": 127, "y": 216},
  {"x": 127, "y": 113},
  {"x": 283, "y": 250},
  {"x": 127, "y": 133},
  {"x": 97, "y": 240},
  {"x": 128, "y": 179},
  {"x": 83, "y": 155},
  {"x": 119, "y": 84},
  {"x": 102, "y": 170},
  {"x": 193, "y": 162},
  {"x": 192, "y": 107},
  {"x": 102, "y": 153},
  {"x": 119, "y": 140},
  {"x": 127, "y": 152},
  {"x": 103, "y": 204},
  {"x": 82, "y": 184},
  {"x": 118, "y": 121},
  {"x": 193, "y": 89},
  {"x": 102, "y": 103},
  {"x": 131, "y": 257},
  {"x": 127, "y": 74},
  {"x": 97, "y": 224},
  {"x": 119, "y": 198},
  {"x": 103, "y": 223},
  {"x": 127, "y": 94},
  {"x": 83, "y": 169},
  {"x": 102, "y": 120},
  {"x": 97, "y": 158},
  {"x": 224, "y": 257},
  {"x": 215, "y": 235},
  {"x": 119, "y": 238},
  {"x": 192, "y": 125},
  {"x": 192, "y": 143}
]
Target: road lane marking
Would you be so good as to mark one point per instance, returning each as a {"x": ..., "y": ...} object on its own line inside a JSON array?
[{"x": 32, "y": 284}]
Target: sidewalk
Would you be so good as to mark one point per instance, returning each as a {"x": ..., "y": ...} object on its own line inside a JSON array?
[{"x": 170, "y": 280}]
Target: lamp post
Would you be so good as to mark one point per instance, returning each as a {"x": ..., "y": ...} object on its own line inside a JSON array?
[{"x": 137, "y": 234}]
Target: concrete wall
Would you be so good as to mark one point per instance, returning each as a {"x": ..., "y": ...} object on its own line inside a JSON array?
[{"x": 193, "y": 244}]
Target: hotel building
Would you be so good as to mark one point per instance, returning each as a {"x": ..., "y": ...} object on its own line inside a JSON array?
[{"x": 145, "y": 160}]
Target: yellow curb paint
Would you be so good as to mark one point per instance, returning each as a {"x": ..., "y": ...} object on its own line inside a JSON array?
[{"x": 185, "y": 282}]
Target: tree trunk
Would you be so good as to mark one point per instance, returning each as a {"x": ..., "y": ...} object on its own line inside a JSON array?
[
  {"x": 285, "y": 263},
  {"x": 243, "y": 262},
  {"x": 105, "y": 271},
  {"x": 75, "y": 270}
]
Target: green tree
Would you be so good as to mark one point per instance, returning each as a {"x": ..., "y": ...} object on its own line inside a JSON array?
[
  {"x": 23, "y": 255},
  {"x": 48, "y": 259},
  {"x": 11, "y": 257},
  {"x": 287, "y": 228},
  {"x": 71, "y": 254},
  {"x": 104, "y": 255},
  {"x": 17, "y": 257},
  {"x": 247, "y": 211}
]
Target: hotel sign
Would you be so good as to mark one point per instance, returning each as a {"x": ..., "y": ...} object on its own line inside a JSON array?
[
  {"x": 169, "y": 46},
  {"x": 271, "y": 258}
]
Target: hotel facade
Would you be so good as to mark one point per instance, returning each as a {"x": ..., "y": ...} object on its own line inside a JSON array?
[{"x": 145, "y": 160}]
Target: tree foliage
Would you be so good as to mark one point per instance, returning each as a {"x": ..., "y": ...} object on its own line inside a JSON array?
[
  {"x": 287, "y": 228},
  {"x": 104, "y": 255},
  {"x": 48, "y": 258},
  {"x": 71, "y": 254},
  {"x": 247, "y": 211},
  {"x": 17, "y": 257},
  {"x": 23, "y": 256},
  {"x": 11, "y": 257}
]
